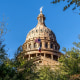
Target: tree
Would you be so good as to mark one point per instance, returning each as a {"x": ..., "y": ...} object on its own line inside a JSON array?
[
  {"x": 23, "y": 66},
  {"x": 76, "y": 3},
  {"x": 45, "y": 73},
  {"x": 3, "y": 30},
  {"x": 69, "y": 63},
  {"x": 2, "y": 52}
]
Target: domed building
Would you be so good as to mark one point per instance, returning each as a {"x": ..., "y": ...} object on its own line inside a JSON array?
[{"x": 49, "y": 48}]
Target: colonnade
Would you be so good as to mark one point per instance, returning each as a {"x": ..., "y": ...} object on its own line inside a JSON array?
[
  {"x": 33, "y": 45},
  {"x": 45, "y": 55}
]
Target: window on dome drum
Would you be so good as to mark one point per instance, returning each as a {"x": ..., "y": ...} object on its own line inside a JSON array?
[
  {"x": 26, "y": 46},
  {"x": 46, "y": 45},
  {"x": 55, "y": 47},
  {"x": 40, "y": 44},
  {"x": 35, "y": 45},
  {"x": 49, "y": 34},
  {"x": 32, "y": 31},
  {"x": 41, "y": 30},
  {"x": 51, "y": 45},
  {"x": 30, "y": 46},
  {"x": 44, "y": 37},
  {"x": 36, "y": 30}
]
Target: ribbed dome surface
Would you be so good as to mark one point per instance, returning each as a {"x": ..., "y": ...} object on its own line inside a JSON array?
[{"x": 41, "y": 31}]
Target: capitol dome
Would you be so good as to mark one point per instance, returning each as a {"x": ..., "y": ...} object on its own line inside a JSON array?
[{"x": 49, "y": 46}]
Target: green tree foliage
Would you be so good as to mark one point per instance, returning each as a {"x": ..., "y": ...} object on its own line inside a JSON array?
[
  {"x": 15, "y": 69},
  {"x": 3, "y": 29},
  {"x": 2, "y": 52},
  {"x": 76, "y": 3},
  {"x": 45, "y": 73},
  {"x": 28, "y": 70},
  {"x": 69, "y": 63},
  {"x": 8, "y": 70},
  {"x": 19, "y": 50},
  {"x": 23, "y": 66},
  {"x": 2, "y": 46}
]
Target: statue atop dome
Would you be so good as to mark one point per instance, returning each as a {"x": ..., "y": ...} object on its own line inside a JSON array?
[{"x": 41, "y": 9}]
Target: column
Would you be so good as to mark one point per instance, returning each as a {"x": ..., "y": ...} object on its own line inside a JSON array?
[
  {"x": 51, "y": 56},
  {"x": 36, "y": 54},
  {"x": 27, "y": 46},
  {"x": 43, "y": 44},
  {"x": 54, "y": 46},
  {"x": 32, "y": 44},
  {"x": 44, "y": 55},
  {"x": 48, "y": 44},
  {"x": 38, "y": 44}
]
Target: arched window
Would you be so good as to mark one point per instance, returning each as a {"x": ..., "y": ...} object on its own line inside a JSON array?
[
  {"x": 51, "y": 45},
  {"x": 35, "y": 45},
  {"x": 46, "y": 45}
]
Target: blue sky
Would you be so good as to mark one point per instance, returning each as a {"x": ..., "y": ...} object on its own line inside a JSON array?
[{"x": 21, "y": 16}]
